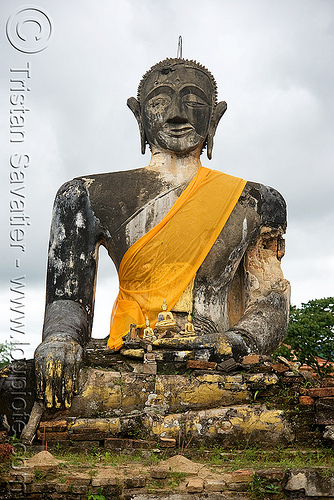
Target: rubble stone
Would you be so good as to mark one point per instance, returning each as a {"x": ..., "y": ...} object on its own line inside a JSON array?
[{"x": 195, "y": 485}]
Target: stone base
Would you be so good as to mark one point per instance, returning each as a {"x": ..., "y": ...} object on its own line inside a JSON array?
[
  {"x": 203, "y": 404},
  {"x": 198, "y": 407},
  {"x": 228, "y": 426},
  {"x": 111, "y": 393}
]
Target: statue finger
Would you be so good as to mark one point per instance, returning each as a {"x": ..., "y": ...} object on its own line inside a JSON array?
[
  {"x": 71, "y": 374},
  {"x": 67, "y": 387},
  {"x": 53, "y": 373},
  {"x": 40, "y": 385}
]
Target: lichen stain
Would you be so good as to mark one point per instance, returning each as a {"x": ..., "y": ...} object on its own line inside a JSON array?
[
  {"x": 205, "y": 394},
  {"x": 248, "y": 421},
  {"x": 168, "y": 426},
  {"x": 79, "y": 221},
  {"x": 224, "y": 348}
]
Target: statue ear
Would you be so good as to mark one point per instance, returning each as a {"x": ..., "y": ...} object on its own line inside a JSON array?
[
  {"x": 134, "y": 105},
  {"x": 216, "y": 116}
]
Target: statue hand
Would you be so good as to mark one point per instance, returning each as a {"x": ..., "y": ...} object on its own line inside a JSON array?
[
  {"x": 240, "y": 344},
  {"x": 230, "y": 344},
  {"x": 57, "y": 363}
]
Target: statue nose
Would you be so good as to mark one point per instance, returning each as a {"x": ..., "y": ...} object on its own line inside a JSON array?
[{"x": 176, "y": 112}]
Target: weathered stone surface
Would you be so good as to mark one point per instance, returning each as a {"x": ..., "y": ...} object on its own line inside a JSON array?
[
  {"x": 169, "y": 393},
  {"x": 326, "y": 404},
  {"x": 122, "y": 443},
  {"x": 262, "y": 379},
  {"x": 321, "y": 392},
  {"x": 306, "y": 400},
  {"x": 201, "y": 365},
  {"x": 62, "y": 488},
  {"x": 159, "y": 472},
  {"x": 324, "y": 418},
  {"x": 327, "y": 382},
  {"x": 134, "y": 482},
  {"x": 329, "y": 432},
  {"x": 135, "y": 390},
  {"x": 325, "y": 411},
  {"x": 88, "y": 436},
  {"x": 167, "y": 442},
  {"x": 79, "y": 446},
  {"x": 225, "y": 425},
  {"x": 174, "y": 356},
  {"x": 175, "y": 393},
  {"x": 52, "y": 436},
  {"x": 23, "y": 476},
  {"x": 105, "y": 477},
  {"x": 14, "y": 378},
  {"x": 99, "y": 391},
  {"x": 133, "y": 353},
  {"x": 242, "y": 476},
  {"x": 78, "y": 479},
  {"x": 53, "y": 426},
  {"x": 315, "y": 483},
  {"x": 228, "y": 365},
  {"x": 250, "y": 359},
  {"x": 279, "y": 367},
  {"x": 272, "y": 474},
  {"x": 195, "y": 485},
  {"x": 85, "y": 425},
  {"x": 212, "y": 484}
]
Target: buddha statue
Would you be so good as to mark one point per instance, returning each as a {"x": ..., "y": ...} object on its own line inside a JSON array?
[
  {"x": 188, "y": 327},
  {"x": 206, "y": 241},
  {"x": 133, "y": 333},
  {"x": 148, "y": 333},
  {"x": 166, "y": 322},
  {"x": 149, "y": 363}
]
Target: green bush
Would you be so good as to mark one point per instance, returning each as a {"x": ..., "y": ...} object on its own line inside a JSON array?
[
  {"x": 311, "y": 335},
  {"x": 6, "y": 348}
]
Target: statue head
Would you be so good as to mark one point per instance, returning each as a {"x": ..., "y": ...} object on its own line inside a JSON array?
[{"x": 176, "y": 107}]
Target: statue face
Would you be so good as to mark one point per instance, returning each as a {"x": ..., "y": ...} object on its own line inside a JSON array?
[{"x": 176, "y": 108}]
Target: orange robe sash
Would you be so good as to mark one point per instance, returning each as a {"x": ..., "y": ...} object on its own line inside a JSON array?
[{"x": 162, "y": 263}]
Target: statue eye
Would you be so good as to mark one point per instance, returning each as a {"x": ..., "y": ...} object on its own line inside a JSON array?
[
  {"x": 158, "y": 103},
  {"x": 193, "y": 101}
]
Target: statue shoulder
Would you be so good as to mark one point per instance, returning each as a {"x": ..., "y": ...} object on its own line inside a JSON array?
[
  {"x": 72, "y": 202},
  {"x": 268, "y": 202},
  {"x": 72, "y": 191},
  {"x": 118, "y": 195},
  {"x": 122, "y": 184}
]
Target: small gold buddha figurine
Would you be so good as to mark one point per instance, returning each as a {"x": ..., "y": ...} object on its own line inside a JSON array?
[
  {"x": 133, "y": 333},
  {"x": 150, "y": 364},
  {"x": 189, "y": 327},
  {"x": 166, "y": 322},
  {"x": 148, "y": 332}
]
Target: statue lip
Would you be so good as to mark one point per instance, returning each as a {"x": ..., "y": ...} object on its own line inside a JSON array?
[{"x": 179, "y": 130}]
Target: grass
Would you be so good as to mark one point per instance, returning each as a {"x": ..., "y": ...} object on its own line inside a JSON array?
[
  {"x": 249, "y": 458},
  {"x": 229, "y": 459},
  {"x": 255, "y": 458}
]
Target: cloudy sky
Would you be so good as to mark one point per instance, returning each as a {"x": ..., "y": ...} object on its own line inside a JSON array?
[{"x": 273, "y": 62}]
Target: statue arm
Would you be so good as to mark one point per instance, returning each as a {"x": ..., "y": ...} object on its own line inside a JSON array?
[
  {"x": 72, "y": 264},
  {"x": 263, "y": 325}
]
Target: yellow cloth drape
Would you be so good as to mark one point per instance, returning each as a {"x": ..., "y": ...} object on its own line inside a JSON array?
[{"x": 161, "y": 263}]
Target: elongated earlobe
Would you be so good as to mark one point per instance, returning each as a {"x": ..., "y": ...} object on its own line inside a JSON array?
[
  {"x": 216, "y": 116},
  {"x": 134, "y": 105}
]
